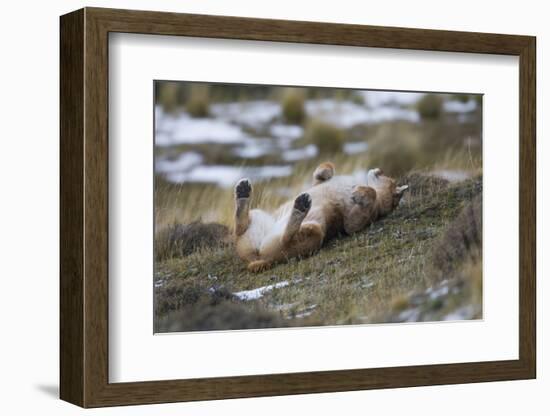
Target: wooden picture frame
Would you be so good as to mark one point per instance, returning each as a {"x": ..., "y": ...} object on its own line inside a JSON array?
[{"x": 84, "y": 207}]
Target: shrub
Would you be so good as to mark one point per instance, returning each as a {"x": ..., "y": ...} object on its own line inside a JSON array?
[
  {"x": 472, "y": 273},
  {"x": 463, "y": 98},
  {"x": 226, "y": 315},
  {"x": 395, "y": 149},
  {"x": 329, "y": 139},
  {"x": 430, "y": 106},
  {"x": 293, "y": 104},
  {"x": 201, "y": 308},
  {"x": 180, "y": 240},
  {"x": 462, "y": 241},
  {"x": 422, "y": 185},
  {"x": 168, "y": 93},
  {"x": 358, "y": 99},
  {"x": 198, "y": 101}
]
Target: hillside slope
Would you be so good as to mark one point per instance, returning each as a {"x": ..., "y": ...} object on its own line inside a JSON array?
[{"x": 422, "y": 262}]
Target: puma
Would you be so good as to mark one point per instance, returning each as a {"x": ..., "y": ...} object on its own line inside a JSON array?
[{"x": 335, "y": 204}]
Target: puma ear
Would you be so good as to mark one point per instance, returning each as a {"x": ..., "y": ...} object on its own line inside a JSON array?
[{"x": 400, "y": 189}]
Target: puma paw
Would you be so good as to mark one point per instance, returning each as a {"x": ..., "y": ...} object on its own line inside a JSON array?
[
  {"x": 258, "y": 266},
  {"x": 302, "y": 202},
  {"x": 243, "y": 189}
]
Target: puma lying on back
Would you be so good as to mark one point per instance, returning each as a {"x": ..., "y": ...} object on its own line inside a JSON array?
[{"x": 333, "y": 205}]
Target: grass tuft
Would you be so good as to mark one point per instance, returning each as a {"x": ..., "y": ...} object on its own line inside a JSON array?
[
  {"x": 462, "y": 240},
  {"x": 293, "y": 106},
  {"x": 198, "y": 101},
  {"x": 168, "y": 95},
  {"x": 430, "y": 106},
  {"x": 223, "y": 316},
  {"x": 329, "y": 139},
  {"x": 398, "y": 153},
  {"x": 179, "y": 240}
]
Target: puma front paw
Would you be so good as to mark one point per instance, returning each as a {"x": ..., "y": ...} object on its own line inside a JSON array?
[{"x": 243, "y": 189}]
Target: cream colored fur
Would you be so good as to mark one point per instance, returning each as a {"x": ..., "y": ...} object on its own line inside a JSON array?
[{"x": 332, "y": 206}]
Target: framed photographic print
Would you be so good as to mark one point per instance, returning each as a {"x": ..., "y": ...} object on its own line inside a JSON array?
[{"x": 256, "y": 207}]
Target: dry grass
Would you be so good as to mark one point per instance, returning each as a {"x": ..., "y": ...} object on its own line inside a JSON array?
[
  {"x": 187, "y": 203},
  {"x": 462, "y": 241},
  {"x": 398, "y": 148},
  {"x": 352, "y": 280},
  {"x": 402, "y": 147},
  {"x": 198, "y": 102},
  {"x": 456, "y": 263},
  {"x": 329, "y": 139},
  {"x": 168, "y": 95},
  {"x": 419, "y": 263},
  {"x": 430, "y": 106},
  {"x": 179, "y": 240},
  {"x": 293, "y": 104}
]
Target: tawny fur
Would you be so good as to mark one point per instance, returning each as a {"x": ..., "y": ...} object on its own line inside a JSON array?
[{"x": 332, "y": 206}]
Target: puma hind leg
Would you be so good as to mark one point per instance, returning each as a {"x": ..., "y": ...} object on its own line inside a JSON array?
[
  {"x": 301, "y": 207},
  {"x": 302, "y": 238},
  {"x": 308, "y": 240},
  {"x": 258, "y": 266},
  {"x": 363, "y": 209}
]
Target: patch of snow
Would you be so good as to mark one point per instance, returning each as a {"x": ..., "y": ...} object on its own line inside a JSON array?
[
  {"x": 252, "y": 152},
  {"x": 343, "y": 114},
  {"x": 284, "y": 142},
  {"x": 285, "y": 306},
  {"x": 159, "y": 113},
  {"x": 255, "y": 148},
  {"x": 255, "y": 294},
  {"x": 286, "y": 131},
  {"x": 306, "y": 311},
  {"x": 374, "y": 99},
  {"x": 439, "y": 292},
  {"x": 183, "y": 162},
  {"x": 183, "y": 129},
  {"x": 227, "y": 176},
  {"x": 384, "y": 114},
  {"x": 367, "y": 285},
  {"x": 207, "y": 130},
  {"x": 224, "y": 176},
  {"x": 346, "y": 114},
  {"x": 409, "y": 315},
  {"x": 162, "y": 138},
  {"x": 267, "y": 172},
  {"x": 355, "y": 147},
  {"x": 454, "y": 106},
  {"x": 300, "y": 154},
  {"x": 250, "y": 113}
]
